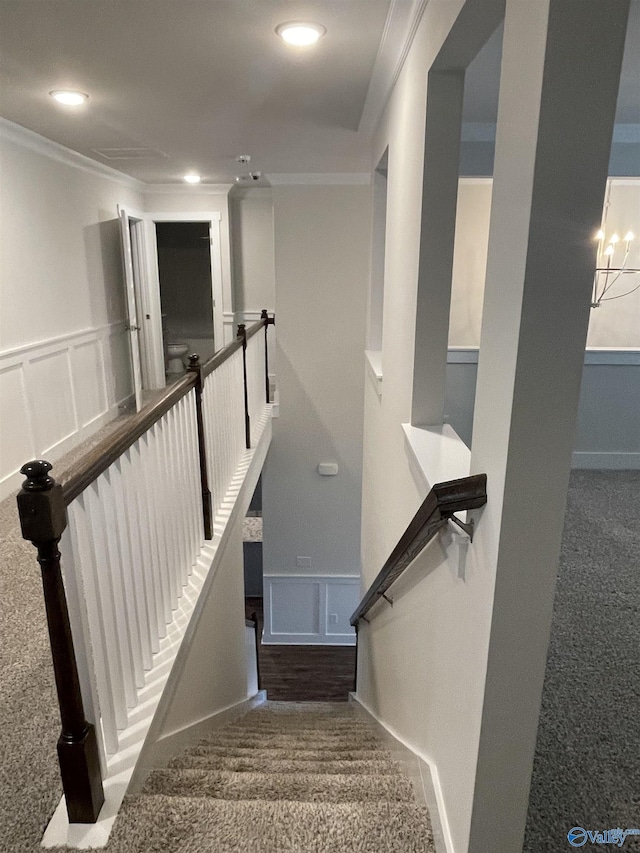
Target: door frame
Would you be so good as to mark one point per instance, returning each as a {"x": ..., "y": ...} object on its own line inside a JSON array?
[{"x": 214, "y": 218}]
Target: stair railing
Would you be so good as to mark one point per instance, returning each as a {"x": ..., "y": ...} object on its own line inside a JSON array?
[
  {"x": 118, "y": 540},
  {"x": 437, "y": 509}
]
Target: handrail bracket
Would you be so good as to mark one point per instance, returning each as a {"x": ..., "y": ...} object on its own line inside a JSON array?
[{"x": 467, "y": 526}]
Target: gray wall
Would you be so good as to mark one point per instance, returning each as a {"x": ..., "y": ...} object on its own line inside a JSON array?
[
  {"x": 322, "y": 238},
  {"x": 608, "y": 431}
]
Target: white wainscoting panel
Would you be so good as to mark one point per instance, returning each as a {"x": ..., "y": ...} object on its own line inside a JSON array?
[
  {"x": 310, "y": 609},
  {"x": 56, "y": 393},
  {"x": 16, "y": 441}
]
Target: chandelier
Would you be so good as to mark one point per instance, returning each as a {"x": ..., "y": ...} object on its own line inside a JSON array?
[{"x": 613, "y": 265}]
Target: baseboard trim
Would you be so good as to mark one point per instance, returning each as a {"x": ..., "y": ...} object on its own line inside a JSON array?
[
  {"x": 162, "y": 751},
  {"x": 607, "y": 461},
  {"x": 422, "y": 772}
]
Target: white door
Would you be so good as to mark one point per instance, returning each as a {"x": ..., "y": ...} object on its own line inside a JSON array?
[{"x": 133, "y": 326}]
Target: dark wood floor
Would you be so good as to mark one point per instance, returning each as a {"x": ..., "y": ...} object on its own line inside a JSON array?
[{"x": 304, "y": 673}]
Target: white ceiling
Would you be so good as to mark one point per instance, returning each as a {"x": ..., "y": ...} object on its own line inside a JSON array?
[{"x": 196, "y": 82}]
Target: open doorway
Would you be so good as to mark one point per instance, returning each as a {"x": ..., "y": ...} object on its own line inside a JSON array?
[
  {"x": 173, "y": 273},
  {"x": 186, "y": 292}
]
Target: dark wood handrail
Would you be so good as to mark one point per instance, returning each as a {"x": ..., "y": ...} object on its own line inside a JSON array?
[
  {"x": 441, "y": 503},
  {"x": 99, "y": 458},
  {"x": 42, "y": 506},
  {"x": 226, "y": 352},
  {"x": 93, "y": 463}
]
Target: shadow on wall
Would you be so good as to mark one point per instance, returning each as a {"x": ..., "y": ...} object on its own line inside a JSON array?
[
  {"x": 301, "y": 507},
  {"x": 103, "y": 253}
]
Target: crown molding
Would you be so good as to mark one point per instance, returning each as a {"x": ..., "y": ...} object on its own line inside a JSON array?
[
  {"x": 403, "y": 20},
  {"x": 25, "y": 138},
  {"x": 322, "y": 179}
]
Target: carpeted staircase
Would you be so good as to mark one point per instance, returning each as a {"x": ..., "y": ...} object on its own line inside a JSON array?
[{"x": 303, "y": 777}]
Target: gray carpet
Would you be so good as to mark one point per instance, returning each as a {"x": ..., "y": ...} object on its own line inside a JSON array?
[
  {"x": 586, "y": 769},
  {"x": 236, "y": 792},
  {"x": 587, "y": 765}
]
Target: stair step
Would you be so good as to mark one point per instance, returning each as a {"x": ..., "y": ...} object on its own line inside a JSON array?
[
  {"x": 201, "y": 825},
  {"x": 285, "y": 752},
  {"x": 309, "y": 787},
  {"x": 258, "y": 763},
  {"x": 273, "y": 726},
  {"x": 292, "y": 742}
]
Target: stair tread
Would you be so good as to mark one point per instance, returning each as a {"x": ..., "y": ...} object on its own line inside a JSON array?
[
  {"x": 280, "y": 741},
  {"x": 285, "y": 752},
  {"x": 325, "y": 787},
  {"x": 162, "y": 824},
  {"x": 263, "y": 764}
]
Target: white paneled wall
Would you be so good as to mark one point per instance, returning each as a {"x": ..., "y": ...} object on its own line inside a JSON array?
[
  {"x": 56, "y": 392},
  {"x": 310, "y": 609}
]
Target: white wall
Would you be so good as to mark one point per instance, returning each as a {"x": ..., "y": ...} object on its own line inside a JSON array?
[
  {"x": 64, "y": 362},
  {"x": 423, "y": 663},
  {"x": 322, "y": 239},
  {"x": 214, "y": 674},
  {"x": 420, "y": 666},
  {"x": 614, "y": 325},
  {"x": 253, "y": 250}
]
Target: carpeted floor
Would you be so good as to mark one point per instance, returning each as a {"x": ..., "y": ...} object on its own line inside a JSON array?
[
  {"x": 587, "y": 765},
  {"x": 304, "y": 777},
  {"x": 586, "y": 771}
]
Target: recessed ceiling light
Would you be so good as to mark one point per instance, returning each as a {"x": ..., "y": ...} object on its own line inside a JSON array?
[
  {"x": 300, "y": 34},
  {"x": 192, "y": 179},
  {"x": 68, "y": 97}
]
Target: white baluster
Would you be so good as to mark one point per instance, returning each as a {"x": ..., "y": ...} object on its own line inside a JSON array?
[
  {"x": 117, "y": 650},
  {"x": 98, "y": 619}
]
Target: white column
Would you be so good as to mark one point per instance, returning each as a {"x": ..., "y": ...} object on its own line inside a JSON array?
[
  {"x": 445, "y": 91},
  {"x": 560, "y": 72}
]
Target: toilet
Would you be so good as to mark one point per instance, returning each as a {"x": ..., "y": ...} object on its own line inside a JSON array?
[{"x": 176, "y": 352}]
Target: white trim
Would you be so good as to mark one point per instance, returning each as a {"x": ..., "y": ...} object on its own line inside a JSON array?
[
  {"x": 401, "y": 26},
  {"x": 328, "y": 179},
  {"x": 214, "y": 218},
  {"x": 312, "y": 610},
  {"x": 606, "y": 461},
  {"x": 77, "y": 338},
  {"x": 32, "y": 141},
  {"x": 423, "y": 773},
  {"x": 373, "y": 360}
]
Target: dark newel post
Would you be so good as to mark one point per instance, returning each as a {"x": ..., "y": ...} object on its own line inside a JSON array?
[
  {"x": 43, "y": 519},
  {"x": 265, "y": 316},
  {"x": 256, "y": 628},
  {"x": 242, "y": 333},
  {"x": 207, "y": 513},
  {"x": 355, "y": 669}
]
